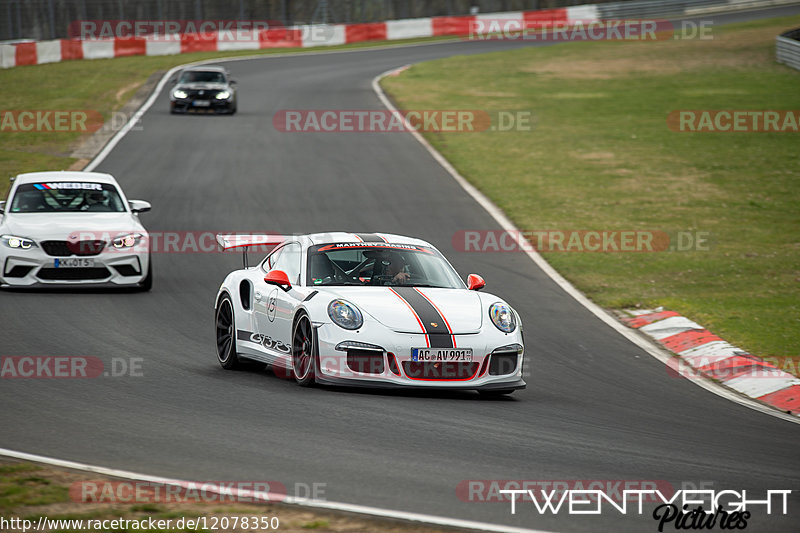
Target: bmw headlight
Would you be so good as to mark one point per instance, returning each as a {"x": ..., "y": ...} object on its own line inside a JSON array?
[
  {"x": 502, "y": 317},
  {"x": 19, "y": 243},
  {"x": 345, "y": 315},
  {"x": 127, "y": 241},
  {"x": 179, "y": 93},
  {"x": 223, "y": 95}
]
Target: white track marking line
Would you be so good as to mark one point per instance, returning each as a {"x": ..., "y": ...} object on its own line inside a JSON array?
[
  {"x": 504, "y": 222},
  {"x": 290, "y": 500}
]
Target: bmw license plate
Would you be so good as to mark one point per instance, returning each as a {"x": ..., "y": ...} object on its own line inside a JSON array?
[
  {"x": 461, "y": 355},
  {"x": 73, "y": 262},
  {"x": 201, "y": 103}
]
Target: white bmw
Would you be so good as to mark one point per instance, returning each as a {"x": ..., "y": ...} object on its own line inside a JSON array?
[
  {"x": 359, "y": 309},
  {"x": 72, "y": 229}
]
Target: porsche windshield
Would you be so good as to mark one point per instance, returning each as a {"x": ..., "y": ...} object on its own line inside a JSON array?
[
  {"x": 62, "y": 196},
  {"x": 202, "y": 76},
  {"x": 381, "y": 265}
]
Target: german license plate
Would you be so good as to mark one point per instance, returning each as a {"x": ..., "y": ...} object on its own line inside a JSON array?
[
  {"x": 461, "y": 355},
  {"x": 201, "y": 103},
  {"x": 73, "y": 262}
]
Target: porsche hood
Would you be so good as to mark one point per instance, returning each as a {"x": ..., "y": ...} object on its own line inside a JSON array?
[{"x": 414, "y": 309}]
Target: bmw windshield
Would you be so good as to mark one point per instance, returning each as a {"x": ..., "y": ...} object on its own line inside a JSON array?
[
  {"x": 380, "y": 264},
  {"x": 202, "y": 76},
  {"x": 66, "y": 197}
]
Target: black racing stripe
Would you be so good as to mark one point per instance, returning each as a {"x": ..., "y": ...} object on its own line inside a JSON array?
[
  {"x": 441, "y": 341},
  {"x": 311, "y": 295},
  {"x": 243, "y": 335},
  {"x": 432, "y": 321},
  {"x": 370, "y": 237}
]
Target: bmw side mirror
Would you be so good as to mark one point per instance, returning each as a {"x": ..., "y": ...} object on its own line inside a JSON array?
[
  {"x": 475, "y": 282},
  {"x": 139, "y": 206},
  {"x": 279, "y": 278}
]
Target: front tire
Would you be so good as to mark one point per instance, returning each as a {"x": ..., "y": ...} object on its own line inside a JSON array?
[
  {"x": 304, "y": 356},
  {"x": 226, "y": 335}
]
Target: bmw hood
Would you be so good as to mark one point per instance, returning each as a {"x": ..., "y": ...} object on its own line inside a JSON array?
[
  {"x": 408, "y": 309},
  {"x": 70, "y": 226}
]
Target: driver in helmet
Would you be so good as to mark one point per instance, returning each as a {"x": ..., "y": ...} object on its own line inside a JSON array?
[
  {"x": 394, "y": 269},
  {"x": 95, "y": 201}
]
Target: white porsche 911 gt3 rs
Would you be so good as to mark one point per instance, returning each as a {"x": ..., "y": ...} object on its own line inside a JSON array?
[
  {"x": 72, "y": 229},
  {"x": 358, "y": 309}
]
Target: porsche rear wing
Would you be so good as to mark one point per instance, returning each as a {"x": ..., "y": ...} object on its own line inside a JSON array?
[{"x": 243, "y": 242}]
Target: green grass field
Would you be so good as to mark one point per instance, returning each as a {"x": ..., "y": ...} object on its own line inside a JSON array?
[{"x": 601, "y": 157}]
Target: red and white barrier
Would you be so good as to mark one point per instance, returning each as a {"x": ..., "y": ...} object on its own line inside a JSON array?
[
  {"x": 36, "y": 53},
  {"x": 700, "y": 353}
]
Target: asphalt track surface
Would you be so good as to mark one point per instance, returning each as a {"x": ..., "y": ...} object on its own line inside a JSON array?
[{"x": 596, "y": 406}]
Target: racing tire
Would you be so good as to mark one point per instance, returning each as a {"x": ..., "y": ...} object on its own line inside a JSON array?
[
  {"x": 304, "y": 353},
  {"x": 147, "y": 283},
  {"x": 225, "y": 329}
]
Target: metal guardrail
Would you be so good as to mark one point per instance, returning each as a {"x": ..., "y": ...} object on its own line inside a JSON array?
[
  {"x": 676, "y": 8},
  {"x": 653, "y": 8},
  {"x": 787, "y": 48}
]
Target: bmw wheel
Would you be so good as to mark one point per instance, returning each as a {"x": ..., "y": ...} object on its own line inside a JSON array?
[
  {"x": 226, "y": 331},
  {"x": 303, "y": 352}
]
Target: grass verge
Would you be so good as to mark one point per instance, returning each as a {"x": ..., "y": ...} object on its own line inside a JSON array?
[
  {"x": 29, "y": 491},
  {"x": 601, "y": 157}
]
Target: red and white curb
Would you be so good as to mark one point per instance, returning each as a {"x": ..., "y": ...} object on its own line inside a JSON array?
[
  {"x": 700, "y": 353},
  {"x": 305, "y": 36}
]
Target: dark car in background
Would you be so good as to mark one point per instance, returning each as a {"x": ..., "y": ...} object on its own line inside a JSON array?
[{"x": 204, "y": 89}]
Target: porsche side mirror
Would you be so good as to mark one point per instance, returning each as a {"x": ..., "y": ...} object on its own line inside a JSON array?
[
  {"x": 279, "y": 278},
  {"x": 2, "y": 207},
  {"x": 475, "y": 282},
  {"x": 139, "y": 206}
]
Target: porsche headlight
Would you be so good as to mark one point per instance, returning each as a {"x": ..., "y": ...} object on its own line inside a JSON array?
[
  {"x": 223, "y": 95},
  {"x": 502, "y": 317},
  {"x": 127, "y": 241},
  {"x": 345, "y": 315},
  {"x": 179, "y": 93},
  {"x": 19, "y": 243}
]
